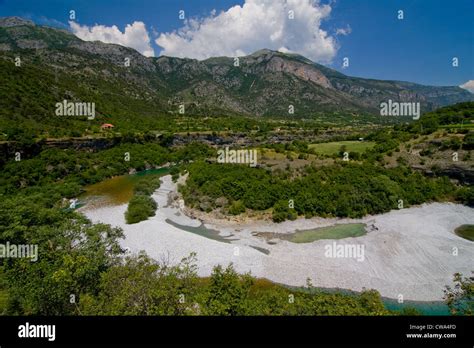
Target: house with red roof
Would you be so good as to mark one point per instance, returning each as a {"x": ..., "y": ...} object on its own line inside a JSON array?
[{"x": 107, "y": 126}]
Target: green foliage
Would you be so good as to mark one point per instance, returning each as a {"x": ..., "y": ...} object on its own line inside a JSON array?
[
  {"x": 147, "y": 185},
  {"x": 236, "y": 208},
  {"x": 72, "y": 254},
  {"x": 282, "y": 212},
  {"x": 452, "y": 114},
  {"x": 468, "y": 141},
  {"x": 345, "y": 190},
  {"x": 85, "y": 260},
  {"x": 140, "y": 208},
  {"x": 339, "y": 147},
  {"x": 454, "y": 143},
  {"x": 140, "y": 286},
  {"x": 76, "y": 168},
  {"x": 228, "y": 292},
  {"x": 460, "y": 298},
  {"x": 466, "y": 195}
]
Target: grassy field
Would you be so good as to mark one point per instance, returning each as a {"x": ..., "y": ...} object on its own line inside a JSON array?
[
  {"x": 335, "y": 147},
  {"x": 465, "y": 231}
]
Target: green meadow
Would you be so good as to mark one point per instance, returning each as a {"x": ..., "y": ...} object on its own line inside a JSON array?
[{"x": 334, "y": 147}]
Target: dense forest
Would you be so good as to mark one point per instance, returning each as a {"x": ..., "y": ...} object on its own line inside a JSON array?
[{"x": 342, "y": 190}]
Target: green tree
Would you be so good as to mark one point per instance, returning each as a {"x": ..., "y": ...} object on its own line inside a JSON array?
[
  {"x": 460, "y": 298},
  {"x": 228, "y": 292},
  {"x": 71, "y": 258},
  {"x": 141, "y": 286},
  {"x": 140, "y": 208}
]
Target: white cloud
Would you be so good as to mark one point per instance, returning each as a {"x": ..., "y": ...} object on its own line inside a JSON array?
[
  {"x": 135, "y": 36},
  {"x": 344, "y": 31},
  {"x": 469, "y": 85},
  {"x": 255, "y": 25}
]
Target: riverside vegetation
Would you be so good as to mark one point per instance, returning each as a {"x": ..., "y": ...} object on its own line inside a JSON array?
[{"x": 142, "y": 206}]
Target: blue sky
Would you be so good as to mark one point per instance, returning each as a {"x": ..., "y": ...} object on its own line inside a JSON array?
[{"x": 418, "y": 48}]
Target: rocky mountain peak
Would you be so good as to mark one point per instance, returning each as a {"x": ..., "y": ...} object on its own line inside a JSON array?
[{"x": 14, "y": 22}]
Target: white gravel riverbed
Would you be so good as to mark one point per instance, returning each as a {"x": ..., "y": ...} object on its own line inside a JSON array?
[{"x": 414, "y": 252}]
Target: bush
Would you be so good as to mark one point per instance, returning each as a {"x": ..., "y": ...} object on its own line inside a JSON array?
[
  {"x": 468, "y": 141},
  {"x": 140, "y": 208},
  {"x": 355, "y": 156},
  {"x": 282, "y": 212},
  {"x": 147, "y": 185},
  {"x": 466, "y": 196},
  {"x": 236, "y": 208}
]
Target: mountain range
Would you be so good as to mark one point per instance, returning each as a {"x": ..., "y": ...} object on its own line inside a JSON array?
[{"x": 55, "y": 65}]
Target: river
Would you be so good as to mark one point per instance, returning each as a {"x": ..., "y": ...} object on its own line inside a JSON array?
[{"x": 410, "y": 253}]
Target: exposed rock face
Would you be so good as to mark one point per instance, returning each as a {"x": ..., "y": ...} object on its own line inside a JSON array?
[{"x": 299, "y": 70}]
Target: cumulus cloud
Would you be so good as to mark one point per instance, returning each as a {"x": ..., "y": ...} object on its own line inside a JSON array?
[
  {"x": 135, "y": 35},
  {"x": 469, "y": 85},
  {"x": 255, "y": 25}
]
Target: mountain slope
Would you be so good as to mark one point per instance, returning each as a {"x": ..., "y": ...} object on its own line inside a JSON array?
[{"x": 56, "y": 65}]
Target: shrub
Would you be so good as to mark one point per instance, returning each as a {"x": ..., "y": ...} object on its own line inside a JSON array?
[
  {"x": 466, "y": 195},
  {"x": 236, "y": 208},
  {"x": 147, "y": 185},
  {"x": 468, "y": 141},
  {"x": 282, "y": 212},
  {"x": 140, "y": 208}
]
